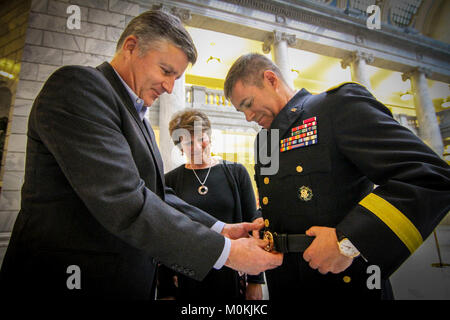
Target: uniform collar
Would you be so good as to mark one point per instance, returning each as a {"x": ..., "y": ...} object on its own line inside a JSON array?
[{"x": 290, "y": 112}]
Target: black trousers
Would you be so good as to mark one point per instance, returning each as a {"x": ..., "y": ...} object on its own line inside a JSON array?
[{"x": 295, "y": 279}]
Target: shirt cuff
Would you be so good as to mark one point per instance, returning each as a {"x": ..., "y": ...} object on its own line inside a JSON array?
[
  {"x": 218, "y": 226},
  {"x": 224, "y": 256}
]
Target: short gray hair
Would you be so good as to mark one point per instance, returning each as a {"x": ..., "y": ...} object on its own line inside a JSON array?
[
  {"x": 154, "y": 26},
  {"x": 249, "y": 68}
]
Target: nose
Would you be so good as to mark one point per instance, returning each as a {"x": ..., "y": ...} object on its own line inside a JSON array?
[
  {"x": 168, "y": 85},
  {"x": 249, "y": 115}
]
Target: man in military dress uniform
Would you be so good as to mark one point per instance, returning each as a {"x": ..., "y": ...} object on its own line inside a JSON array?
[{"x": 321, "y": 208}]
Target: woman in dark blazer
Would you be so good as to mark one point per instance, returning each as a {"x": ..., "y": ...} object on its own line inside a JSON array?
[{"x": 220, "y": 188}]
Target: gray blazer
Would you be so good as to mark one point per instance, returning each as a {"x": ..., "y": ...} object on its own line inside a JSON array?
[{"x": 94, "y": 196}]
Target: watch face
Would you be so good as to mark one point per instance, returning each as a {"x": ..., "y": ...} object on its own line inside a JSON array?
[{"x": 348, "y": 249}]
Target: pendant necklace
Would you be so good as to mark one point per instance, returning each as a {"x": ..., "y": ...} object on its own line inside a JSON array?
[{"x": 202, "y": 189}]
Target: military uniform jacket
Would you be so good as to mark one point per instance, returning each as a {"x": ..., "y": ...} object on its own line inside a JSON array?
[{"x": 328, "y": 180}]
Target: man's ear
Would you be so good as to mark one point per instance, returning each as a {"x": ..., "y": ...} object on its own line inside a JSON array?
[
  {"x": 130, "y": 44},
  {"x": 271, "y": 78}
]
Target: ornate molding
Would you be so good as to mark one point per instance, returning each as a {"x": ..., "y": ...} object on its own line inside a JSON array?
[
  {"x": 356, "y": 56},
  {"x": 276, "y": 37},
  {"x": 288, "y": 11},
  {"x": 397, "y": 50},
  {"x": 311, "y": 13},
  {"x": 360, "y": 39},
  {"x": 280, "y": 18},
  {"x": 183, "y": 14},
  {"x": 407, "y": 75},
  {"x": 419, "y": 55}
]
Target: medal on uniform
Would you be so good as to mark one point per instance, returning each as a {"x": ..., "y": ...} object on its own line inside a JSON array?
[
  {"x": 301, "y": 136},
  {"x": 305, "y": 193}
]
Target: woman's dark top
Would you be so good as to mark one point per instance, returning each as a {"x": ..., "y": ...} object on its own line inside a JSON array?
[
  {"x": 230, "y": 199},
  {"x": 218, "y": 202}
]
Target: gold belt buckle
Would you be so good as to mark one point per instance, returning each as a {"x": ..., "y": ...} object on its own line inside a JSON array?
[{"x": 268, "y": 236}]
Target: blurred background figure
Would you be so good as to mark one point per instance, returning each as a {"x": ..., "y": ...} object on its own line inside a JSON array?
[{"x": 219, "y": 187}]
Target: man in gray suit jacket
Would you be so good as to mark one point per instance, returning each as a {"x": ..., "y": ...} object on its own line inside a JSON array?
[{"x": 96, "y": 216}]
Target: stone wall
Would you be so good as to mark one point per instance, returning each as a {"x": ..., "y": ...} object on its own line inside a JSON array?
[{"x": 13, "y": 27}]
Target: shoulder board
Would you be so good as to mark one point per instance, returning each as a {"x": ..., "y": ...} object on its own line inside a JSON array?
[{"x": 343, "y": 84}]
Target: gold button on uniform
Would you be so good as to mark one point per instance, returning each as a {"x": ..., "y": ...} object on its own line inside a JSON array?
[
  {"x": 347, "y": 279},
  {"x": 299, "y": 169},
  {"x": 266, "y": 180},
  {"x": 266, "y": 223},
  {"x": 293, "y": 109},
  {"x": 265, "y": 200}
]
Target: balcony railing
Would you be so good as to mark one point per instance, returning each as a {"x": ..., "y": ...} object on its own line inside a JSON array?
[{"x": 201, "y": 96}]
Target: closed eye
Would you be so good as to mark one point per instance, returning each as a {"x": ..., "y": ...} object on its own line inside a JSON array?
[
  {"x": 166, "y": 71},
  {"x": 245, "y": 104}
]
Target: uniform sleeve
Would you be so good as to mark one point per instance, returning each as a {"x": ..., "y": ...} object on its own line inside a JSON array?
[{"x": 413, "y": 184}]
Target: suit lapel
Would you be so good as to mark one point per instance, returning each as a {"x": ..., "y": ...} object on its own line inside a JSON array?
[
  {"x": 115, "y": 82},
  {"x": 156, "y": 153}
]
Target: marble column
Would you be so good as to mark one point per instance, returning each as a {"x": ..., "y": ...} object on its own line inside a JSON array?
[
  {"x": 278, "y": 42},
  {"x": 168, "y": 105},
  {"x": 357, "y": 61},
  {"x": 429, "y": 130}
]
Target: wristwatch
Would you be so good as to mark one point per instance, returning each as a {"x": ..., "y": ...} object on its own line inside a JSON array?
[{"x": 345, "y": 246}]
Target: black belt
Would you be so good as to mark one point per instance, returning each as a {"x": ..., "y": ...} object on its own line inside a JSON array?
[{"x": 285, "y": 243}]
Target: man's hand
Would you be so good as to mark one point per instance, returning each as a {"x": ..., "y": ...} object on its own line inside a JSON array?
[
  {"x": 323, "y": 253},
  {"x": 241, "y": 230},
  {"x": 247, "y": 255}
]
